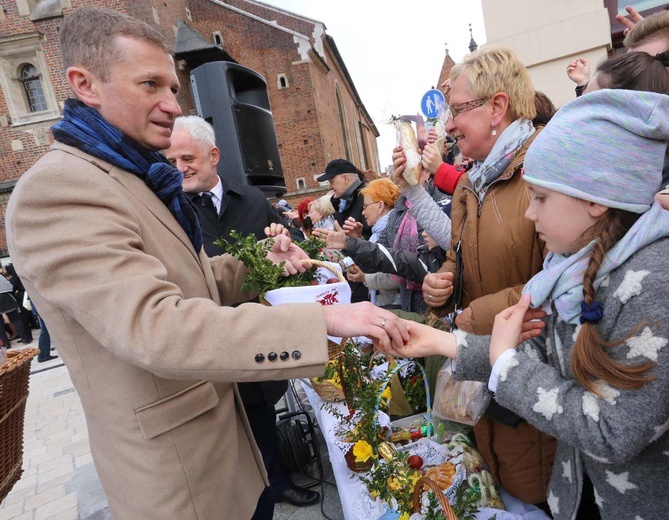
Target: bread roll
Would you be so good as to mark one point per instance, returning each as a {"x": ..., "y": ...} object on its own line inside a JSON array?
[
  {"x": 409, "y": 143},
  {"x": 441, "y": 136}
]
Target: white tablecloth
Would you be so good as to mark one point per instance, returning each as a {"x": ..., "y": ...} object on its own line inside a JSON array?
[{"x": 350, "y": 487}]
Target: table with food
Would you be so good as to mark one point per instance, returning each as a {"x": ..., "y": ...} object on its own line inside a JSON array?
[
  {"x": 394, "y": 456},
  {"x": 395, "y": 453}
]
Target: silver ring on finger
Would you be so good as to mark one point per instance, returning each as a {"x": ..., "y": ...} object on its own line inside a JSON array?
[
  {"x": 429, "y": 297},
  {"x": 383, "y": 324}
]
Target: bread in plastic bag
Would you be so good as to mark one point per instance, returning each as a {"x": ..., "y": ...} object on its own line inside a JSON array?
[
  {"x": 460, "y": 401},
  {"x": 406, "y": 138}
]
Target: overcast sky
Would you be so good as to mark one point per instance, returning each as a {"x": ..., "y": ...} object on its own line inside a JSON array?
[{"x": 394, "y": 50}]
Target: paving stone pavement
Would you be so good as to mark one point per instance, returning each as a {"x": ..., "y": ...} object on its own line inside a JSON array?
[{"x": 59, "y": 480}]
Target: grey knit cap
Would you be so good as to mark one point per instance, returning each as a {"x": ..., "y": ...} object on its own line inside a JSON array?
[{"x": 606, "y": 147}]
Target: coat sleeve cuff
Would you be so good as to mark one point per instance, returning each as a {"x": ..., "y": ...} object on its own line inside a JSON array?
[
  {"x": 473, "y": 361},
  {"x": 447, "y": 177},
  {"x": 497, "y": 368}
]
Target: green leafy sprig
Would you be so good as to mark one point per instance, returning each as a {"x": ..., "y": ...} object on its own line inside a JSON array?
[
  {"x": 362, "y": 393},
  {"x": 414, "y": 389},
  {"x": 464, "y": 504},
  {"x": 263, "y": 274},
  {"x": 393, "y": 479}
]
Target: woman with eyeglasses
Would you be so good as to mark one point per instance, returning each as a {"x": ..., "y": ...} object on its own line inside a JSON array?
[
  {"x": 494, "y": 250},
  {"x": 379, "y": 198}
]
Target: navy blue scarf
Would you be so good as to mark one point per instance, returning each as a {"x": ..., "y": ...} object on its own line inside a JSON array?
[{"x": 84, "y": 128}]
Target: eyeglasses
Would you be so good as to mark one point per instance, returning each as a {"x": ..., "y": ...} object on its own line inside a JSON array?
[
  {"x": 459, "y": 108},
  {"x": 364, "y": 206}
]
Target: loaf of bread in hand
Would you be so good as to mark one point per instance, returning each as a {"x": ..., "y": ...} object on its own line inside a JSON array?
[{"x": 409, "y": 143}]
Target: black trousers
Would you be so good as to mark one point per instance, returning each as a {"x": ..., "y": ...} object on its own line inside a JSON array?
[
  {"x": 19, "y": 322},
  {"x": 265, "y": 507},
  {"x": 262, "y": 418},
  {"x": 587, "y": 509}
]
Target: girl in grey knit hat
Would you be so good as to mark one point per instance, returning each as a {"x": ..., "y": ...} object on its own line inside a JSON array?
[{"x": 596, "y": 375}]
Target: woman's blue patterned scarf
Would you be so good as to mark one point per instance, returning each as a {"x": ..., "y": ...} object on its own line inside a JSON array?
[{"x": 84, "y": 128}]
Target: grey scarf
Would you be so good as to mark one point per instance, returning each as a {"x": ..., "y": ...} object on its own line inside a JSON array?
[{"x": 506, "y": 147}]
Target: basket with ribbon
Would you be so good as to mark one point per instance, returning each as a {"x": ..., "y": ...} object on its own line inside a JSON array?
[
  {"x": 399, "y": 404},
  {"x": 427, "y": 484},
  {"x": 408, "y": 386},
  {"x": 370, "y": 425},
  {"x": 397, "y": 475}
]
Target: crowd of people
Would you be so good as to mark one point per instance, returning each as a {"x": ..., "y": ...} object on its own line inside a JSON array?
[{"x": 539, "y": 237}]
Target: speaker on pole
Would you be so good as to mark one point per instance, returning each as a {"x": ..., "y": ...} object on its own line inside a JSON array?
[{"x": 234, "y": 100}]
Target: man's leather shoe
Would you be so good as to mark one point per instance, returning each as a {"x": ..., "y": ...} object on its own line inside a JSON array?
[
  {"x": 47, "y": 359},
  {"x": 298, "y": 496}
]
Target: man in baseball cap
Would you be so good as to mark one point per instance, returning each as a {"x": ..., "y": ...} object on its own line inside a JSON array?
[{"x": 346, "y": 181}]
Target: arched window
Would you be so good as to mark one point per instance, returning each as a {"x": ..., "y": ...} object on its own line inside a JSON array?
[{"x": 33, "y": 86}]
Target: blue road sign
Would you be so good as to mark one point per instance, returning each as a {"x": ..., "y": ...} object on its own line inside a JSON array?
[{"x": 431, "y": 102}]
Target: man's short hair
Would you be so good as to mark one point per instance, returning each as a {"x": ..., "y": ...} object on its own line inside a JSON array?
[
  {"x": 87, "y": 38},
  {"x": 650, "y": 28},
  {"x": 201, "y": 131}
]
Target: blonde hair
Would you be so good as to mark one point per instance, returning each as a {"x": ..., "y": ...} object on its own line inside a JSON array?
[
  {"x": 323, "y": 205},
  {"x": 653, "y": 27},
  {"x": 494, "y": 69},
  {"x": 383, "y": 190}
]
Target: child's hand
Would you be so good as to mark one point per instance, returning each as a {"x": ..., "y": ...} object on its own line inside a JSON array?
[
  {"x": 513, "y": 326},
  {"x": 431, "y": 158},
  {"x": 578, "y": 71},
  {"x": 425, "y": 341}
]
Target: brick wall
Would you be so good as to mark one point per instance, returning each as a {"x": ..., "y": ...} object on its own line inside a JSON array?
[{"x": 306, "y": 113}]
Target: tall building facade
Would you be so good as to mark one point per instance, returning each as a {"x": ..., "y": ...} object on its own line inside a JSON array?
[{"x": 546, "y": 35}]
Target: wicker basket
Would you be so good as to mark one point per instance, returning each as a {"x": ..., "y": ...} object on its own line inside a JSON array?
[
  {"x": 330, "y": 266},
  {"x": 334, "y": 349},
  {"x": 14, "y": 379},
  {"x": 327, "y": 390},
  {"x": 432, "y": 486},
  {"x": 324, "y": 387}
]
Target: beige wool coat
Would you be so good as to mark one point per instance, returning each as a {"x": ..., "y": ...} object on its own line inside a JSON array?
[
  {"x": 136, "y": 314},
  {"x": 501, "y": 252}
]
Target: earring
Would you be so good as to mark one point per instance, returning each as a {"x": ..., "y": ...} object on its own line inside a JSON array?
[{"x": 494, "y": 132}]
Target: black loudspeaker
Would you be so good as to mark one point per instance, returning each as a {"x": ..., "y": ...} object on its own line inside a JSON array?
[{"x": 234, "y": 100}]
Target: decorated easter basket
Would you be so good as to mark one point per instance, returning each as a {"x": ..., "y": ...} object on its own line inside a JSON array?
[
  {"x": 428, "y": 484},
  {"x": 357, "y": 466}
]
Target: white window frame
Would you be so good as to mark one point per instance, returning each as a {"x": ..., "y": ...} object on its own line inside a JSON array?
[{"x": 15, "y": 52}]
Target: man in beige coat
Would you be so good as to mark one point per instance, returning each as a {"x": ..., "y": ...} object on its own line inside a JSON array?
[{"x": 108, "y": 251}]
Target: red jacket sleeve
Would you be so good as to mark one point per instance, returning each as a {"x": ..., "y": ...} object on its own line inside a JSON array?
[{"x": 447, "y": 177}]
